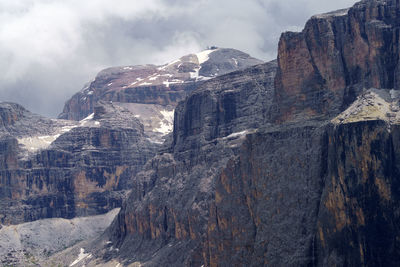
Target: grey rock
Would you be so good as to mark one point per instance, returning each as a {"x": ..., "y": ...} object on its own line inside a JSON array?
[
  {"x": 55, "y": 168},
  {"x": 162, "y": 85},
  {"x": 296, "y": 176}
]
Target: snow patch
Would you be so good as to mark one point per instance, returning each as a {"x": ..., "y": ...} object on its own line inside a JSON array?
[
  {"x": 127, "y": 68},
  {"x": 88, "y": 121},
  {"x": 90, "y": 93},
  {"x": 40, "y": 142},
  {"x": 35, "y": 143},
  {"x": 166, "y": 123},
  {"x": 195, "y": 75},
  {"x": 166, "y": 83},
  {"x": 338, "y": 13},
  {"x": 204, "y": 55},
  {"x": 235, "y": 60},
  {"x": 169, "y": 64},
  {"x": 237, "y": 134},
  {"x": 168, "y": 115},
  {"x": 155, "y": 141},
  {"x": 145, "y": 83},
  {"x": 82, "y": 255},
  {"x": 85, "y": 120},
  {"x": 174, "y": 81}
]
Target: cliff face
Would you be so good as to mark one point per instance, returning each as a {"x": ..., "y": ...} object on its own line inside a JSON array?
[
  {"x": 333, "y": 205},
  {"x": 55, "y": 168},
  {"x": 323, "y": 68},
  {"x": 300, "y": 170},
  {"x": 163, "y": 85},
  {"x": 168, "y": 208},
  {"x": 316, "y": 193},
  {"x": 358, "y": 216}
]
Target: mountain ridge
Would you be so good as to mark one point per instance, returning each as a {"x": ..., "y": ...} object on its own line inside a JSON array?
[
  {"x": 299, "y": 189},
  {"x": 150, "y": 84}
]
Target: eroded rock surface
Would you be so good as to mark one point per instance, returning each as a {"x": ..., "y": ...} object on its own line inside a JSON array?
[
  {"x": 298, "y": 171},
  {"x": 326, "y": 66},
  {"x": 163, "y": 85},
  {"x": 56, "y": 168}
]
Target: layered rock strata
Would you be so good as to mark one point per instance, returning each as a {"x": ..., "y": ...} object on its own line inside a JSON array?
[
  {"x": 56, "y": 168},
  {"x": 304, "y": 173},
  {"x": 163, "y": 85},
  {"x": 326, "y": 66}
]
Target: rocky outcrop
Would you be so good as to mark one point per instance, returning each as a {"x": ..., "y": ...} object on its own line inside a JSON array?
[
  {"x": 164, "y": 85},
  {"x": 168, "y": 208},
  {"x": 55, "y": 168},
  {"x": 58, "y": 168},
  {"x": 293, "y": 164},
  {"x": 297, "y": 171},
  {"x": 323, "y": 68},
  {"x": 316, "y": 193}
]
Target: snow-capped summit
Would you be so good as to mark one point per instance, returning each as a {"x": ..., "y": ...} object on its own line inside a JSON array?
[{"x": 150, "y": 84}]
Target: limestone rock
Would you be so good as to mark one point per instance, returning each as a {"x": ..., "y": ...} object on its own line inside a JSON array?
[
  {"x": 56, "y": 168},
  {"x": 161, "y": 85}
]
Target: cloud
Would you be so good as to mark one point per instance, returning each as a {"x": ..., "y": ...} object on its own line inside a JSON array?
[{"x": 50, "y": 48}]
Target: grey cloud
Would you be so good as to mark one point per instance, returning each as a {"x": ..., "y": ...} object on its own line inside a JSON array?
[{"x": 50, "y": 48}]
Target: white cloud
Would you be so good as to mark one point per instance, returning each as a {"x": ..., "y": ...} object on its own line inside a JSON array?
[{"x": 50, "y": 48}]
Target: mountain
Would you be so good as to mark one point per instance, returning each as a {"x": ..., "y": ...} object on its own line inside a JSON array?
[
  {"x": 163, "y": 85},
  {"x": 57, "y": 168},
  {"x": 294, "y": 163}
]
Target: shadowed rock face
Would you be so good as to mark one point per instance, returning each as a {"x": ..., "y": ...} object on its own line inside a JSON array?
[
  {"x": 59, "y": 168},
  {"x": 302, "y": 170},
  {"x": 55, "y": 168},
  {"x": 358, "y": 216},
  {"x": 162, "y": 85},
  {"x": 168, "y": 208}
]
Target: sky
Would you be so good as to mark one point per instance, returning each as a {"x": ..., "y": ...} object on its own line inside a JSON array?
[{"x": 50, "y": 48}]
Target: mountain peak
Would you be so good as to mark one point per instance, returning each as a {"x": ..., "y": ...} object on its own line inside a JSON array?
[{"x": 165, "y": 84}]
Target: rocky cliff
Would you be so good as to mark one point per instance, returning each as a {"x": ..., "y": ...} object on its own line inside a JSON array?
[
  {"x": 59, "y": 168},
  {"x": 163, "y": 85},
  {"x": 300, "y": 168},
  {"x": 323, "y": 68},
  {"x": 56, "y": 168}
]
